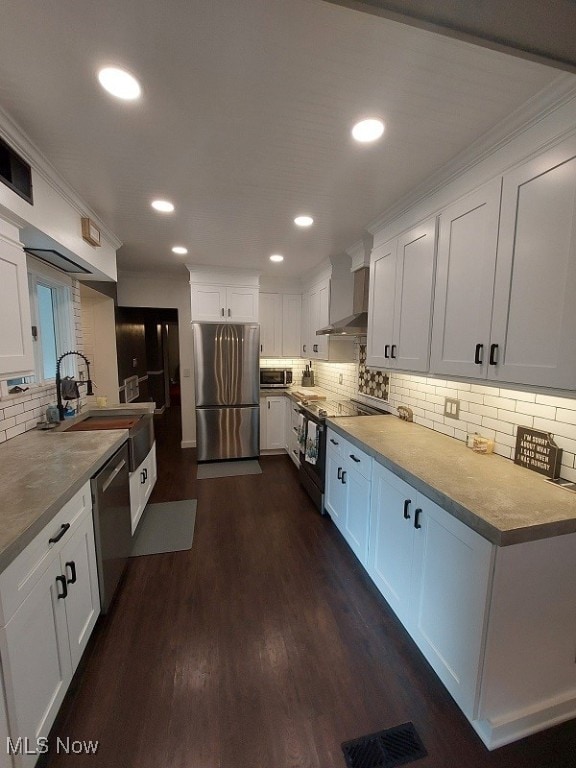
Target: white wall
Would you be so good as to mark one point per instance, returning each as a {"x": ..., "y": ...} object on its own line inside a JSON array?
[
  {"x": 150, "y": 290},
  {"x": 99, "y": 336}
]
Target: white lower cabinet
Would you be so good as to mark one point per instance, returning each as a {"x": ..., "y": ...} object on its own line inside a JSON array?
[
  {"x": 292, "y": 421},
  {"x": 434, "y": 571},
  {"x": 347, "y": 492},
  {"x": 272, "y": 411},
  {"x": 50, "y": 603},
  {"x": 142, "y": 482}
]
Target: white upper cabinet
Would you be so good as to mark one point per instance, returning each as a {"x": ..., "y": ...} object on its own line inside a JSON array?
[
  {"x": 291, "y": 324},
  {"x": 270, "y": 325},
  {"x": 319, "y": 318},
  {"x": 534, "y": 315},
  {"x": 16, "y": 353},
  {"x": 223, "y": 296},
  {"x": 280, "y": 322},
  {"x": 400, "y": 306},
  {"x": 466, "y": 261}
]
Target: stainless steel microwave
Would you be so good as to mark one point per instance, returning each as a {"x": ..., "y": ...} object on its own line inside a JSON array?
[{"x": 271, "y": 378}]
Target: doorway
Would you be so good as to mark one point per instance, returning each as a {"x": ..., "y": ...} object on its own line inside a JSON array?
[{"x": 148, "y": 355}]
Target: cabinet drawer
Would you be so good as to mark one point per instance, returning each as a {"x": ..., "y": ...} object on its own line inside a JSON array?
[
  {"x": 361, "y": 462},
  {"x": 19, "y": 578},
  {"x": 334, "y": 442}
]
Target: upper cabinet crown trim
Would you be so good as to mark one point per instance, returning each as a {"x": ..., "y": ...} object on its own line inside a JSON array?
[{"x": 223, "y": 276}]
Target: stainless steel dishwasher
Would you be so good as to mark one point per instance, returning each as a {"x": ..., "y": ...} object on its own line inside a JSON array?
[{"x": 112, "y": 530}]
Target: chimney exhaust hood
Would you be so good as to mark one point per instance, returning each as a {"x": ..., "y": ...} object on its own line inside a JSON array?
[{"x": 355, "y": 324}]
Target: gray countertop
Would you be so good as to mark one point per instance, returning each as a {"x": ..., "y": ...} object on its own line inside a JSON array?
[
  {"x": 503, "y": 502},
  {"x": 39, "y": 472}
]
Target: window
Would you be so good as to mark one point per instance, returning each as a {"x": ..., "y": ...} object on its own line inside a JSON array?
[{"x": 52, "y": 317}]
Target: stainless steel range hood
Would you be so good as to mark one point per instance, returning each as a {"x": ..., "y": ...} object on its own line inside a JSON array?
[{"x": 355, "y": 324}]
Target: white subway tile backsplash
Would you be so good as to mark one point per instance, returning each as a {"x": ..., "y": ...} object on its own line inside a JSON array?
[
  {"x": 483, "y": 389},
  {"x": 556, "y": 427},
  {"x": 469, "y": 397},
  {"x": 500, "y": 402},
  {"x": 536, "y": 409},
  {"x": 558, "y": 402},
  {"x": 484, "y": 410},
  {"x": 563, "y": 414},
  {"x": 528, "y": 397},
  {"x": 515, "y": 418}
]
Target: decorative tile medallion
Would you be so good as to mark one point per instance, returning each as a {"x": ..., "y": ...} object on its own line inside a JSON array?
[{"x": 374, "y": 383}]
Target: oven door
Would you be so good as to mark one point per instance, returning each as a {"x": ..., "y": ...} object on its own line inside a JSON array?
[{"x": 312, "y": 475}]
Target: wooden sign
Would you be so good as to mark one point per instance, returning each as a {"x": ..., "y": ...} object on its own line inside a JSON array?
[{"x": 537, "y": 451}]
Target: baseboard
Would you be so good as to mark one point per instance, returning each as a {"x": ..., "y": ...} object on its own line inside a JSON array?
[
  {"x": 188, "y": 444},
  {"x": 517, "y": 725}
]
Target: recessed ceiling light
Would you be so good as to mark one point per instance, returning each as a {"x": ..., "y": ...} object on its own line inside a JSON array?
[
  {"x": 303, "y": 221},
  {"x": 180, "y": 250},
  {"x": 164, "y": 206},
  {"x": 119, "y": 83},
  {"x": 368, "y": 130},
  {"x": 276, "y": 257}
]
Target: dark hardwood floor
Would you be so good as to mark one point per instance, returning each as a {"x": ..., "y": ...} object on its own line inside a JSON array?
[{"x": 264, "y": 646}]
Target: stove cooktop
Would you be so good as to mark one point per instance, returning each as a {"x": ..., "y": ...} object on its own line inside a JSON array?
[{"x": 331, "y": 408}]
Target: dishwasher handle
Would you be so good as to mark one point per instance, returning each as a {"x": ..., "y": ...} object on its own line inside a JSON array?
[{"x": 113, "y": 474}]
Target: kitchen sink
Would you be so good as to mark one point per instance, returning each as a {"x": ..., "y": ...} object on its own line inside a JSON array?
[{"x": 140, "y": 431}]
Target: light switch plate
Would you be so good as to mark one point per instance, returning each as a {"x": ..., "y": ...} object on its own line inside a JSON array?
[{"x": 452, "y": 408}]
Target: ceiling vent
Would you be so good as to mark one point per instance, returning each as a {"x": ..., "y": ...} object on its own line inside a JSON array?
[{"x": 55, "y": 259}]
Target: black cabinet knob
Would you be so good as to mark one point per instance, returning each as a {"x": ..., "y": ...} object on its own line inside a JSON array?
[
  {"x": 71, "y": 566},
  {"x": 62, "y": 581},
  {"x": 478, "y": 354},
  {"x": 493, "y": 354},
  {"x": 417, "y": 514},
  {"x": 407, "y": 503}
]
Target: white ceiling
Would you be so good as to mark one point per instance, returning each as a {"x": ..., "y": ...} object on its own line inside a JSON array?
[{"x": 245, "y": 118}]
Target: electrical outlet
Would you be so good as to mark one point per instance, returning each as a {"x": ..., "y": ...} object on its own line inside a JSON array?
[{"x": 452, "y": 408}]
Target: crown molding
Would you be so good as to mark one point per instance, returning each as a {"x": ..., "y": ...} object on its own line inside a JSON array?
[
  {"x": 11, "y": 132},
  {"x": 529, "y": 114}
]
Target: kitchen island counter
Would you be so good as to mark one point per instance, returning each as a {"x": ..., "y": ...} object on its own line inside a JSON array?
[{"x": 501, "y": 501}]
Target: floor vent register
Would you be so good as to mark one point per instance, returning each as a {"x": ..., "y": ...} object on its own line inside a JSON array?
[{"x": 385, "y": 749}]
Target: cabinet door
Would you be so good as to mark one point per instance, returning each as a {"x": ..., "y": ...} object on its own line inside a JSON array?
[
  {"x": 274, "y": 423},
  {"x": 415, "y": 257},
  {"x": 381, "y": 305},
  {"x": 149, "y": 474},
  {"x": 291, "y": 323},
  {"x": 36, "y": 659},
  {"x": 242, "y": 305},
  {"x": 321, "y": 343},
  {"x": 534, "y": 313},
  {"x": 208, "y": 303},
  {"x": 137, "y": 481},
  {"x": 450, "y": 582},
  {"x": 468, "y": 236},
  {"x": 271, "y": 325},
  {"x": 392, "y": 538},
  {"x": 78, "y": 565},
  {"x": 357, "y": 515},
  {"x": 335, "y": 491},
  {"x": 16, "y": 355},
  {"x": 305, "y": 346}
]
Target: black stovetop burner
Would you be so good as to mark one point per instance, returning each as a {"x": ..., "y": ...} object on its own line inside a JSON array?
[{"x": 322, "y": 409}]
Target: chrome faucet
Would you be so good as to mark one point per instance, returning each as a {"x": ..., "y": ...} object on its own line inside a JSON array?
[{"x": 88, "y": 381}]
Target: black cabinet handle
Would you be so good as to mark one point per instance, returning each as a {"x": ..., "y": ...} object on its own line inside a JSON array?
[
  {"x": 339, "y": 473},
  {"x": 387, "y": 351},
  {"x": 407, "y": 503},
  {"x": 493, "y": 352},
  {"x": 344, "y": 473},
  {"x": 478, "y": 354},
  {"x": 63, "y": 528},
  {"x": 61, "y": 580},
  {"x": 393, "y": 352},
  {"x": 260, "y": 347},
  {"x": 315, "y": 348},
  {"x": 354, "y": 458},
  {"x": 417, "y": 514},
  {"x": 142, "y": 478},
  {"x": 229, "y": 313},
  {"x": 222, "y": 311},
  {"x": 303, "y": 347},
  {"x": 72, "y": 566},
  {"x": 334, "y": 442},
  {"x": 145, "y": 473}
]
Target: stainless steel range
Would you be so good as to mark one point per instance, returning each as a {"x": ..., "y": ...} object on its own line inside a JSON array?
[{"x": 313, "y": 440}]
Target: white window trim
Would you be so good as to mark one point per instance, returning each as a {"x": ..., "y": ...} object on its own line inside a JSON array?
[{"x": 40, "y": 273}]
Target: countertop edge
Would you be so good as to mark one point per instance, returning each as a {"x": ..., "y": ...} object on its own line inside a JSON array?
[
  {"x": 468, "y": 517},
  {"x": 11, "y": 552}
]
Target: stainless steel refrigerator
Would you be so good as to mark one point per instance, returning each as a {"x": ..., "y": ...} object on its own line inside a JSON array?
[{"x": 227, "y": 379}]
